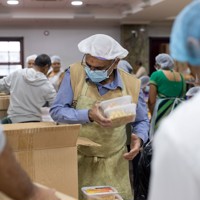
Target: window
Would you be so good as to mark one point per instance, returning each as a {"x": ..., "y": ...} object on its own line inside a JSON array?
[{"x": 11, "y": 55}]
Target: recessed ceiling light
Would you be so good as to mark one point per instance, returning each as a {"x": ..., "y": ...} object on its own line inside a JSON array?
[
  {"x": 77, "y": 3},
  {"x": 12, "y": 2}
]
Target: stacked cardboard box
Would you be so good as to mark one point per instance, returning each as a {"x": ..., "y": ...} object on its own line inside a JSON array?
[
  {"x": 48, "y": 152},
  {"x": 4, "y": 103}
]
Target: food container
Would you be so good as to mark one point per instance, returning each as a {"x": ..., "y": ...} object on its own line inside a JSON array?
[
  {"x": 121, "y": 115},
  {"x": 101, "y": 193},
  {"x": 124, "y": 100}
]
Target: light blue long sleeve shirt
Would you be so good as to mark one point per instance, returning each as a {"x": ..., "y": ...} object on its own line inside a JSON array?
[{"x": 62, "y": 112}]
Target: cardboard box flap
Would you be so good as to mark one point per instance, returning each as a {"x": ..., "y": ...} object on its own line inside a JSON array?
[
  {"x": 3, "y": 94},
  {"x": 29, "y": 125},
  {"x": 86, "y": 142},
  {"x": 37, "y": 136}
]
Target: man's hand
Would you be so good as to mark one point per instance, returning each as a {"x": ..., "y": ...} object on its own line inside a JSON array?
[
  {"x": 95, "y": 115},
  {"x": 135, "y": 147}
]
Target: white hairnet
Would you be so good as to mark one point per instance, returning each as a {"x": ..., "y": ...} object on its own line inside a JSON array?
[
  {"x": 124, "y": 65},
  {"x": 185, "y": 35},
  {"x": 144, "y": 81},
  {"x": 165, "y": 61},
  {"x": 31, "y": 57},
  {"x": 192, "y": 91},
  {"x": 103, "y": 47},
  {"x": 55, "y": 59}
]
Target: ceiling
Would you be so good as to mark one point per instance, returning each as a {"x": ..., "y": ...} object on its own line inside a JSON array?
[{"x": 108, "y": 11}]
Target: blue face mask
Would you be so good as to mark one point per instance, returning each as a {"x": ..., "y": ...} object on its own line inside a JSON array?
[{"x": 96, "y": 76}]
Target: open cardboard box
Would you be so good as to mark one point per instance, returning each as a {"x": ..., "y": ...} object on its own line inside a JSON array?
[
  {"x": 48, "y": 152},
  {"x": 4, "y": 103}
]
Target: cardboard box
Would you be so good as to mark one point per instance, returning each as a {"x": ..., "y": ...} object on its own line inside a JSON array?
[
  {"x": 4, "y": 103},
  {"x": 58, "y": 194},
  {"x": 48, "y": 152}
]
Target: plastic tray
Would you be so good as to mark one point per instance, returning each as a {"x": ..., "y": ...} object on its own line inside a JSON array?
[
  {"x": 111, "y": 103},
  {"x": 121, "y": 115},
  {"x": 105, "y": 197},
  {"x": 99, "y": 192}
]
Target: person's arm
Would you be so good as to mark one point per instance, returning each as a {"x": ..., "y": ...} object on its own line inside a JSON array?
[
  {"x": 140, "y": 128},
  {"x": 50, "y": 94},
  {"x": 63, "y": 112},
  {"x": 152, "y": 97},
  {"x": 14, "y": 181},
  {"x": 155, "y": 81},
  {"x": 5, "y": 83},
  {"x": 140, "y": 72}
]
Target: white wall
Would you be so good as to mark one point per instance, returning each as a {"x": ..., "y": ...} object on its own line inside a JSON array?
[{"x": 61, "y": 41}]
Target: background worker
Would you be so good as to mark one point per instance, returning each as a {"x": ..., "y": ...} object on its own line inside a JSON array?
[
  {"x": 176, "y": 162},
  {"x": 56, "y": 74},
  {"x": 124, "y": 65},
  {"x": 167, "y": 90},
  {"x": 29, "y": 91},
  {"x": 30, "y": 60},
  {"x": 141, "y": 71}
]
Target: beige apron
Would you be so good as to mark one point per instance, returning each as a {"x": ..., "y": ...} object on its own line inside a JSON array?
[{"x": 103, "y": 165}]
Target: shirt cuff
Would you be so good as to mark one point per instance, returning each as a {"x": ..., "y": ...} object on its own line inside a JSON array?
[
  {"x": 142, "y": 137},
  {"x": 83, "y": 116}
]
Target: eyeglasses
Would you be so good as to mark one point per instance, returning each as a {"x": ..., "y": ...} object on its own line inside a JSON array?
[{"x": 85, "y": 63}]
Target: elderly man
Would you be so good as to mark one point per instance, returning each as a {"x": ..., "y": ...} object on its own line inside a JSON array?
[
  {"x": 30, "y": 61},
  {"x": 14, "y": 181},
  {"x": 96, "y": 79},
  {"x": 176, "y": 161}
]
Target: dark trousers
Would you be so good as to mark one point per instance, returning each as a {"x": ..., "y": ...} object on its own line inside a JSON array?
[{"x": 7, "y": 120}]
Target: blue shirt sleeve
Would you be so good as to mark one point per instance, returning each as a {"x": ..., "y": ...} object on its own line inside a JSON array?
[
  {"x": 61, "y": 110},
  {"x": 141, "y": 124}
]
